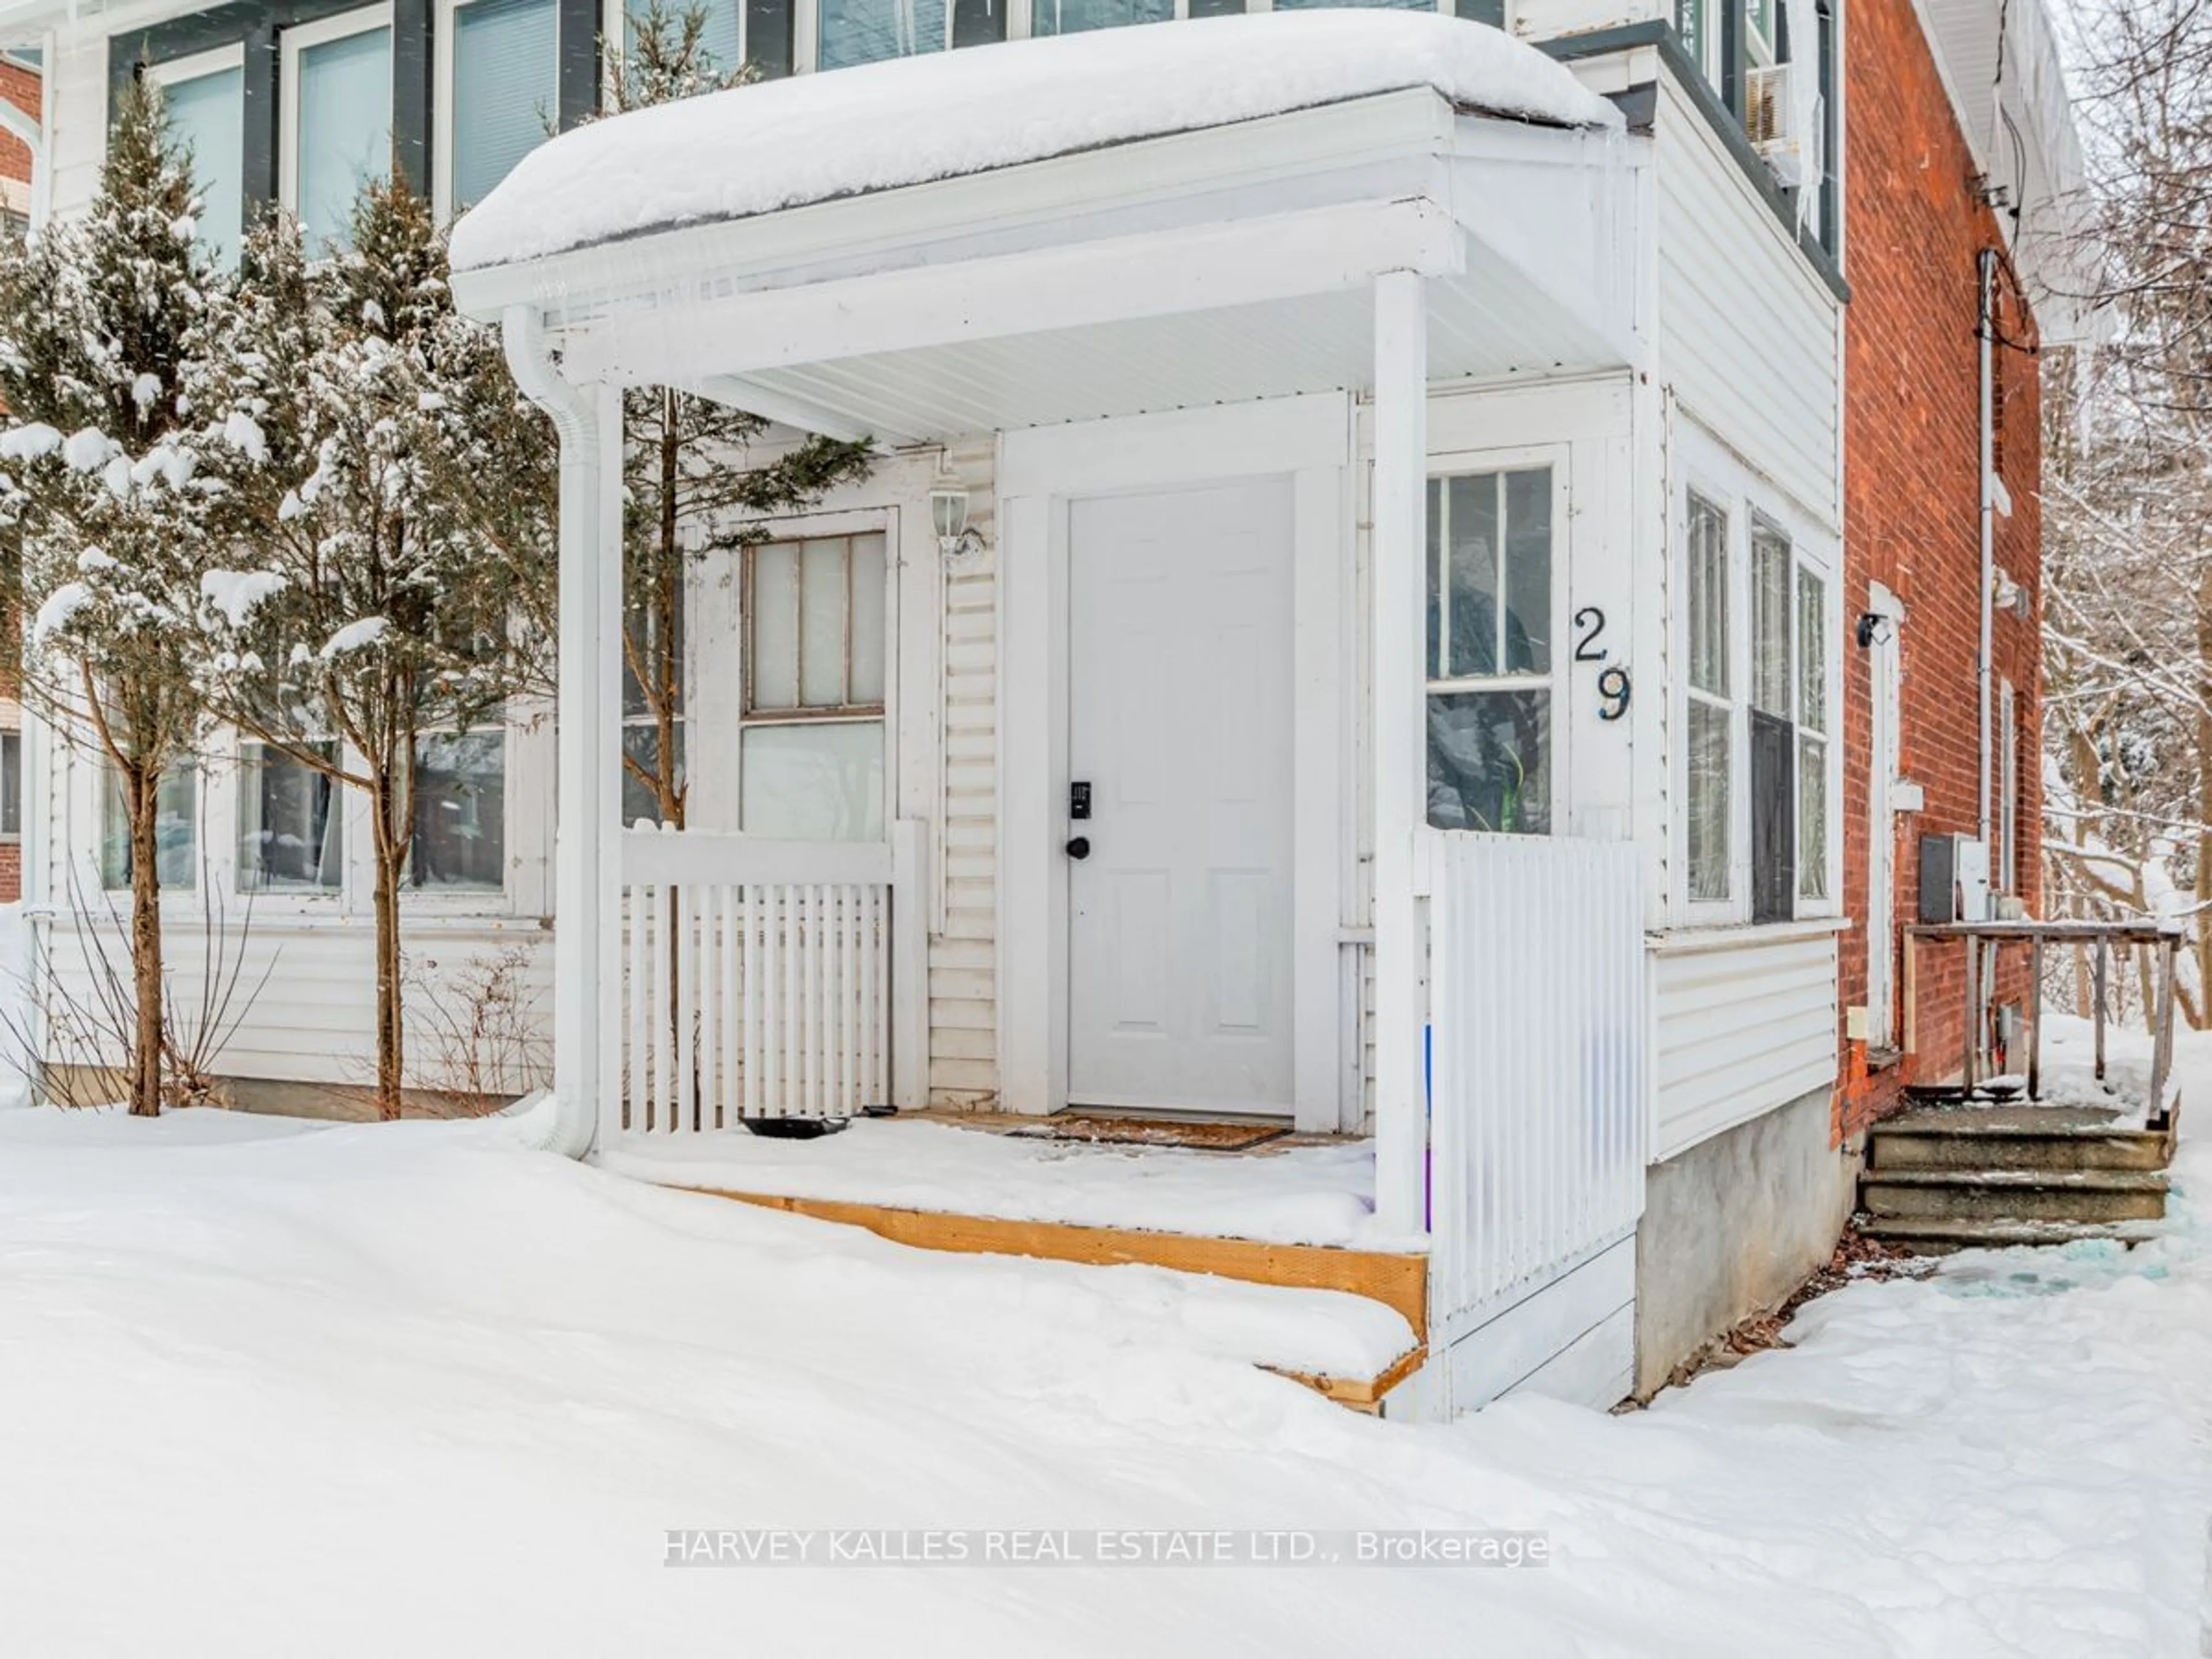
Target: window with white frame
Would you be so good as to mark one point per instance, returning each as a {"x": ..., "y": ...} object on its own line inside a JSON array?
[
  {"x": 1489, "y": 573},
  {"x": 176, "y": 830},
  {"x": 11, "y": 785},
  {"x": 502, "y": 82},
  {"x": 290, "y": 823},
  {"x": 205, "y": 98},
  {"x": 337, "y": 117},
  {"x": 811, "y": 760},
  {"x": 1710, "y": 725},
  {"x": 460, "y": 844},
  {"x": 1757, "y": 740}
]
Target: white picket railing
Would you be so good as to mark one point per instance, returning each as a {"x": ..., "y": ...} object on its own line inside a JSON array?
[
  {"x": 1538, "y": 1114},
  {"x": 759, "y": 976}
]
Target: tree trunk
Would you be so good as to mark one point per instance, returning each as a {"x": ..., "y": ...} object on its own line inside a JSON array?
[
  {"x": 391, "y": 1027},
  {"x": 142, "y": 794}
]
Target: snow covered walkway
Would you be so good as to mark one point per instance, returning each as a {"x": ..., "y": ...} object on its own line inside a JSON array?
[{"x": 268, "y": 1388}]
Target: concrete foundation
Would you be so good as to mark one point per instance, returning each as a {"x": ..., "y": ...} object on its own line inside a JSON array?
[{"x": 1732, "y": 1226}]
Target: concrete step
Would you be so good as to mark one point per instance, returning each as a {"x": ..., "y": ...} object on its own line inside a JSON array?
[
  {"x": 1921, "y": 1147},
  {"x": 2074, "y": 1195},
  {"x": 1932, "y": 1235}
]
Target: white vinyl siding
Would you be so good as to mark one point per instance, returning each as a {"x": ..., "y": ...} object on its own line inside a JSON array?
[
  {"x": 1748, "y": 333},
  {"x": 1740, "y": 1031},
  {"x": 963, "y": 948}
]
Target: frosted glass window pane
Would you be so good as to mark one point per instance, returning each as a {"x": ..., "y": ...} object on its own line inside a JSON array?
[
  {"x": 814, "y": 780},
  {"x": 207, "y": 116},
  {"x": 344, "y": 136},
  {"x": 868, "y": 647},
  {"x": 774, "y": 626},
  {"x": 1365, "y": 5},
  {"x": 822, "y": 624},
  {"x": 1071, "y": 16},
  {"x": 505, "y": 58},
  {"x": 863, "y": 31}
]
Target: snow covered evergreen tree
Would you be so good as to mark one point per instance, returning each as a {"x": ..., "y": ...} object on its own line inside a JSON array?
[
  {"x": 105, "y": 508},
  {"x": 366, "y": 624}
]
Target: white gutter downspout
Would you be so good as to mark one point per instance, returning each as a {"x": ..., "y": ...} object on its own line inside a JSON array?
[
  {"x": 578, "y": 1027},
  {"x": 1984, "y": 664}
]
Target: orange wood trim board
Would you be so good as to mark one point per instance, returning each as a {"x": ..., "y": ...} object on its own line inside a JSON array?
[{"x": 1396, "y": 1280}]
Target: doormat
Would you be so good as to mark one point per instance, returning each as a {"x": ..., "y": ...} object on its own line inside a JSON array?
[{"x": 1197, "y": 1134}]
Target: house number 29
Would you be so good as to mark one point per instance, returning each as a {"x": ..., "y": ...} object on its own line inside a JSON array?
[{"x": 1614, "y": 686}]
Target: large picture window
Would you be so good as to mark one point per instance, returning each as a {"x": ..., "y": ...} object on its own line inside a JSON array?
[
  {"x": 811, "y": 742},
  {"x": 1490, "y": 651}
]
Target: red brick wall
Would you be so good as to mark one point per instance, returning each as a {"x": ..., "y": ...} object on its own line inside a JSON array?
[
  {"x": 1914, "y": 231},
  {"x": 20, "y": 87}
]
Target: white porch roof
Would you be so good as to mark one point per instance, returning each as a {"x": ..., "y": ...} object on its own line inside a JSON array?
[{"x": 1189, "y": 265}]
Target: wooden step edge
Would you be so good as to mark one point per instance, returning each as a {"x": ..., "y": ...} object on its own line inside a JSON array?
[{"x": 1359, "y": 1394}]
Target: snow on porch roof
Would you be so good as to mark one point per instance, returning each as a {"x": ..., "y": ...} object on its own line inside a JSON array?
[{"x": 815, "y": 137}]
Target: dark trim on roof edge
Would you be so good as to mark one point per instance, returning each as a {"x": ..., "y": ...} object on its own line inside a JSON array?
[{"x": 1660, "y": 33}]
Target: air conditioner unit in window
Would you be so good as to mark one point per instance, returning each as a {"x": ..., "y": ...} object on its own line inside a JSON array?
[{"x": 1784, "y": 125}]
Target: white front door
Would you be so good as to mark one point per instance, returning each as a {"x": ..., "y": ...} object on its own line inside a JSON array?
[{"x": 1180, "y": 720}]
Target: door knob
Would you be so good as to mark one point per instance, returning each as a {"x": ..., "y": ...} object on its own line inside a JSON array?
[{"x": 1079, "y": 848}]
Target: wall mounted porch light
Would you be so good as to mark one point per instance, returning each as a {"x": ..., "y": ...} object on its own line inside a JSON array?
[{"x": 958, "y": 542}]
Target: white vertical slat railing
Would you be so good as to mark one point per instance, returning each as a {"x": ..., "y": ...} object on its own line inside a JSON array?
[
  {"x": 758, "y": 977},
  {"x": 1538, "y": 1117}
]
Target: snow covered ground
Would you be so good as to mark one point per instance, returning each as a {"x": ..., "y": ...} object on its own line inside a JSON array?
[{"x": 268, "y": 1387}]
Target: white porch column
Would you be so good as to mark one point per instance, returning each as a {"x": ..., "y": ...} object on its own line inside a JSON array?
[
  {"x": 1397, "y": 542},
  {"x": 587, "y": 874}
]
